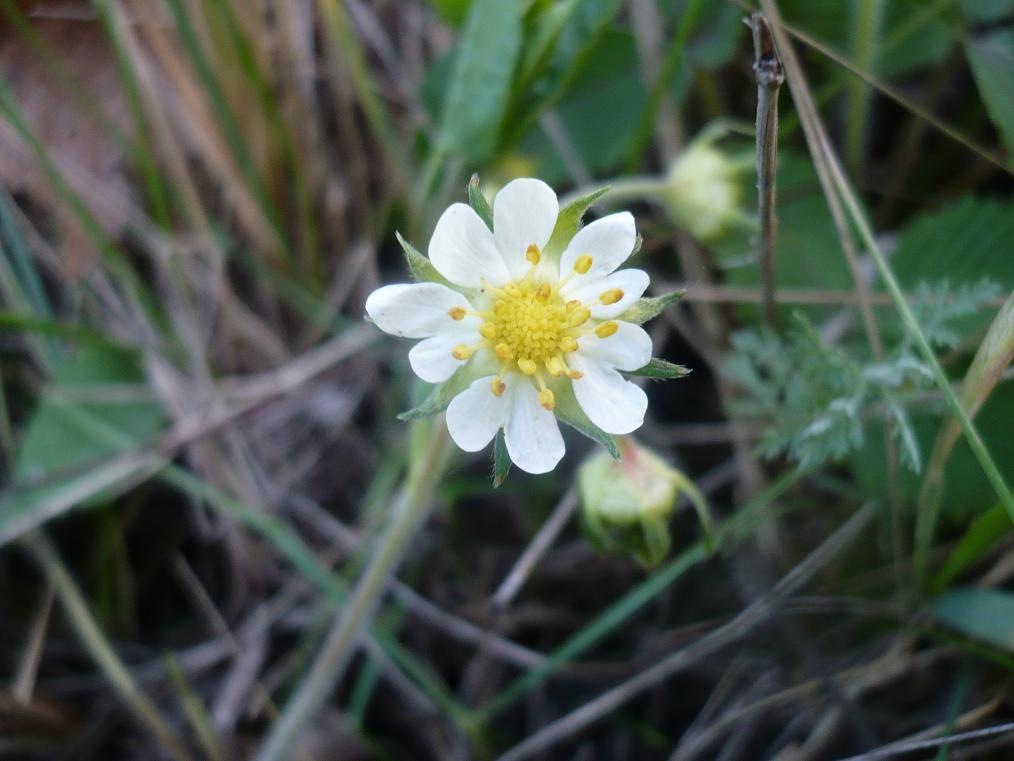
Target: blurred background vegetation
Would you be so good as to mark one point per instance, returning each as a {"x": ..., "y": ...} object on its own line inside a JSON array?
[{"x": 199, "y": 436}]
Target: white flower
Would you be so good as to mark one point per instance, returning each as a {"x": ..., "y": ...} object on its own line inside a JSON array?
[{"x": 526, "y": 322}]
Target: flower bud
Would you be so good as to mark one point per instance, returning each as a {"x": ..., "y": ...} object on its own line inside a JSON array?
[
  {"x": 626, "y": 506},
  {"x": 704, "y": 191}
]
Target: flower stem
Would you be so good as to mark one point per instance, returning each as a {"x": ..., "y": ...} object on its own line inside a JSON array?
[{"x": 411, "y": 509}]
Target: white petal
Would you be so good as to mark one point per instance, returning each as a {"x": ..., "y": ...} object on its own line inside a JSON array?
[
  {"x": 431, "y": 359},
  {"x": 475, "y": 415},
  {"x": 629, "y": 348},
  {"x": 418, "y": 310},
  {"x": 633, "y": 283},
  {"x": 463, "y": 250},
  {"x": 612, "y": 403},
  {"x": 609, "y": 241},
  {"x": 532, "y": 435},
  {"x": 524, "y": 212}
]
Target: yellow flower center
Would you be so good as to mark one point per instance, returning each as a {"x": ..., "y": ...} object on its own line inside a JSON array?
[
  {"x": 530, "y": 321},
  {"x": 531, "y": 327}
]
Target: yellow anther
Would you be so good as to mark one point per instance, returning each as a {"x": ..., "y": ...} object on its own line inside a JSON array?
[
  {"x": 546, "y": 399},
  {"x": 503, "y": 351},
  {"x": 583, "y": 264},
  {"x": 568, "y": 344},
  {"x": 499, "y": 306},
  {"x": 575, "y": 374},
  {"x": 488, "y": 330},
  {"x": 606, "y": 329},
  {"x": 527, "y": 366},
  {"x": 611, "y": 296},
  {"x": 571, "y": 305},
  {"x": 461, "y": 352},
  {"x": 498, "y": 387},
  {"x": 533, "y": 254},
  {"x": 580, "y": 316},
  {"x": 456, "y": 313},
  {"x": 544, "y": 292},
  {"x": 555, "y": 366}
]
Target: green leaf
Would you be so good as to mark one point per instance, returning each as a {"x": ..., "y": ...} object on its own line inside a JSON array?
[
  {"x": 422, "y": 268},
  {"x": 480, "y": 82},
  {"x": 983, "y": 614},
  {"x": 478, "y": 202},
  {"x": 538, "y": 50},
  {"x": 660, "y": 369},
  {"x": 991, "y": 57},
  {"x": 569, "y": 411},
  {"x": 982, "y": 536},
  {"x": 649, "y": 308},
  {"x": 105, "y": 382},
  {"x": 501, "y": 460},
  {"x": 569, "y": 221}
]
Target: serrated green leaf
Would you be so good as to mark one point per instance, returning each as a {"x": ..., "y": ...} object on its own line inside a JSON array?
[
  {"x": 661, "y": 369},
  {"x": 480, "y": 82},
  {"x": 648, "y": 308},
  {"x": 569, "y": 411},
  {"x": 501, "y": 460},
  {"x": 439, "y": 397},
  {"x": 983, "y": 614},
  {"x": 569, "y": 221},
  {"x": 479, "y": 203},
  {"x": 991, "y": 57},
  {"x": 422, "y": 269}
]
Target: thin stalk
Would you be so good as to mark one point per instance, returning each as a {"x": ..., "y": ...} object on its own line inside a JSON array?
[
  {"x": 768, "y": 69},
  {"x": 98, "y": 645},
  {"x": 866, "y": 15},
  {"x": 412, "y": 508}
]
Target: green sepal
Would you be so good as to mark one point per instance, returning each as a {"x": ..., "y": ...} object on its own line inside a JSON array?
[
  {"x": 647, "y": 541},
  {"x": 501, "y": 460},
  {"x": 569, "y": 221},
  {"x": 568, "y": 411},
  {"x": 660, "y": 369},
  {"x": 422, "y": 269},
  {"x": 442, "y": 393},
  {"x": 648, "y": 308},
  {"x": 479, "y": 203}
]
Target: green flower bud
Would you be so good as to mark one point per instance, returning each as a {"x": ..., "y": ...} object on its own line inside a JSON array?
[
  {"x": 626, "y": 506},
  {"x": 704, "y": 191}
]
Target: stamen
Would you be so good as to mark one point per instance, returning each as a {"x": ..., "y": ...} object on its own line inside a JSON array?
[
  {"x": 555, "y": 366},
  {"x": 461, "y": 351},
  {"x": 568, "y": 344},
  {"x": 580, "y": 316},
  {"x": 533, "y": 254},
  {"x": 611, "y": 296},
  {"x": 583, "y": 264},
  {"x": 571, "y": 305},
  {"x": 503, "y": 351},
  {"x": 457, "y": 313},
  {"x": 575, "y": 374},
  {"x": 546, "y": 399},
  {"x": 498, "y": 386},
  {"x": 488, "y": 330},
  {"x": 606, "y": 329},
  {"x": 544, "y": 292},
  {"x": 527, "y": 366}
]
